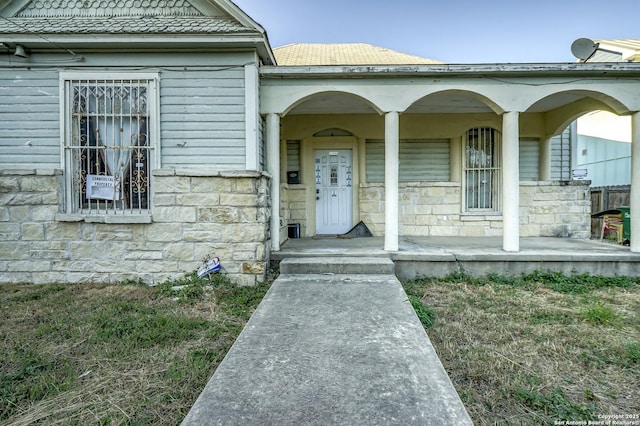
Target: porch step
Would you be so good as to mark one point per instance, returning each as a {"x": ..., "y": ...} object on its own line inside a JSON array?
[{"x": 337, "y": 265}]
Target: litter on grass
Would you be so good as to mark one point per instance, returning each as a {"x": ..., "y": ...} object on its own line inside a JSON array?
[{"x": 209, "y": 267}]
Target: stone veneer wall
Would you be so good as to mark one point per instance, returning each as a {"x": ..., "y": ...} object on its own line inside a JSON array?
[
  {"x": 555, "y": 209},
  {"x": 559, "y": 209},
  {"x": 196, "y": 214},
  {"x": 293, "y": 202}
]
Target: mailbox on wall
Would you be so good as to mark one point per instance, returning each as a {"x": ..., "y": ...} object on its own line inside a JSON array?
[{"x": 293, "y": 177}]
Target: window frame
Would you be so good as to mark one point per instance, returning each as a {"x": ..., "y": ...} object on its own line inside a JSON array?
[
  {"x": 152, "y": 82},
  {"x": 495, "y": 169}
]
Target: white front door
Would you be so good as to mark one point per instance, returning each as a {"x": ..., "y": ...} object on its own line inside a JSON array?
[{"x": 334, "y": 191}]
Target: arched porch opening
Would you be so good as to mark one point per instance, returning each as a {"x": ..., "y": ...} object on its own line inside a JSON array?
[
  {"x": 596, "y": 129},
  {"x": 321, "y": 155}
]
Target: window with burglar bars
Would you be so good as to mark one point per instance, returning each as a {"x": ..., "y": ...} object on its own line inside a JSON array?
[
  {"x": 482, "y": 170},
  {"x": 108, "y": 146}
]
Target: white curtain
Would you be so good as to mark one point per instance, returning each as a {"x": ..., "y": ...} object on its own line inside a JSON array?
[{"x": 115, "y": 127}]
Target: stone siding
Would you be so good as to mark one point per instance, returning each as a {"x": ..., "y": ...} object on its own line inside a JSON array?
[
  {"x": 555, "y": 209},
  {"x": 195, "y": 215},
  {"x": 558, "y": 209},
  {"x": 293, "y": 206}
]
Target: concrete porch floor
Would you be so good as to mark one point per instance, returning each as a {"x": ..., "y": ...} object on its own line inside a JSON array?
[{"x": 440, "y": 256}]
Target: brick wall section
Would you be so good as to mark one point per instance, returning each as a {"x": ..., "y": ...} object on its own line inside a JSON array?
[
  {"x": 559, "y": 209},
  {"x": 195, "y": 215}
]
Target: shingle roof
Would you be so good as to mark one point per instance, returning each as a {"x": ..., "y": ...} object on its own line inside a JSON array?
[
  {"x": 301, "y": 54},
  {"x": 123, "y": 25},
  {"x": 52, "y": 8}
]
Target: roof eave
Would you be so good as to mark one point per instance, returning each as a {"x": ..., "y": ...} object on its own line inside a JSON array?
[
  {"x": 142, "y": 41},
  {"x": 360, "y": 71},
  {"x": 232, "y": 9}
]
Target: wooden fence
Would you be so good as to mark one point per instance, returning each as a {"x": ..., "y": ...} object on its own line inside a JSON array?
[{"x": 607, "y": 198}]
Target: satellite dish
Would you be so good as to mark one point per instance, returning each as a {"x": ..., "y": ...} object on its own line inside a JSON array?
[{"x": 584, "y": 48}]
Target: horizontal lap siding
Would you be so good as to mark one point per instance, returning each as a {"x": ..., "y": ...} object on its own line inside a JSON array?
[
  {"x": 561, "y": 156},
  {"x": 424, "y": 161},
  {"x": 262, "y": 147},
  {"x": 420, "y": 161},
  {"x": 29, "y": 119},
  {"x": 203, "y": 119},
  {"x": 293, "y": 156},
  {"x": 375, "y": 161},
  {"x": 529, "y": 159}
]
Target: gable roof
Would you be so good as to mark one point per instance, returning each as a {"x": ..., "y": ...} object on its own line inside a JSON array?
[
  {"x": 159, "y": 22},
  {"x": 300, "y": 54}
]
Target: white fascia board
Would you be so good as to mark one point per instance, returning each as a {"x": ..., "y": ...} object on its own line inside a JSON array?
[
  {"x": 131, "y": 42},
  {"x": 359, "y": 71},
  {"x": 238, "y": 14},
  {"x": 228, "y": 7}
]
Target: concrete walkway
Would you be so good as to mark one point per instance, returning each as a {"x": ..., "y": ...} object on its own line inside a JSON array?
[{"x": 331, "y": 349}]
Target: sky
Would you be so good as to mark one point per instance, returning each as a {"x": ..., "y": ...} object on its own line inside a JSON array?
[{"x": 452, "y": 31}]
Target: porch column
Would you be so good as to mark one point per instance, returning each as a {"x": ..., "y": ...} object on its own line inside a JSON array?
[
  {"x": 391, "y": 173},
  {"x": 510, "y": 182},
  {"x": 634, "y": 204},
  {"x": 545, "y": 159},
  {"x": 273, "y": 167}
]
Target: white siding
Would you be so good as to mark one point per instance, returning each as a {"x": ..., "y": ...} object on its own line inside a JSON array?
[
  {"x": 529, "y": 159},
  {"x": 29, "y": 119},
  {"x": 375, "y": 161},
  {"x": 262, "y": 146},
  {"x": 203, "y": 119},
  {"x": 561, "y": 156},
  {"x": 420, "y": 160},
  {"x": 204, "y": 108},
  {"x": 293, "y": 156}
]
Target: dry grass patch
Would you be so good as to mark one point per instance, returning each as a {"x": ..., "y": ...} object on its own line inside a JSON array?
[
  {"x": 538, "y": 349},
  {"x": 114, "y": 354}
]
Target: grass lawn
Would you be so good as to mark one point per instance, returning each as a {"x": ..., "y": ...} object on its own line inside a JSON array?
[
  {"x": 531, "y": 350},
  {"x": 539, "y": 349},
  {"x": 114, "y": 354}
]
